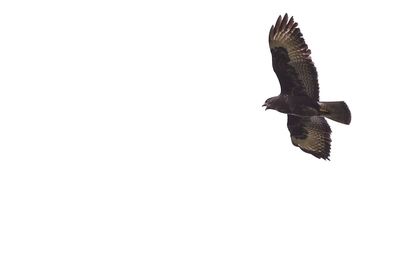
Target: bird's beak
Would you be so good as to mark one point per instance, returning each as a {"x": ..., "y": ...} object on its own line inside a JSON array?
[{"x": 265, "y": 105}]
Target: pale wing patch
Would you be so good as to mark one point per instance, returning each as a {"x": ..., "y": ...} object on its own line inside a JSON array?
[
  {"x": 315, "y": 141},
  {"x": 313, "y": 136}
]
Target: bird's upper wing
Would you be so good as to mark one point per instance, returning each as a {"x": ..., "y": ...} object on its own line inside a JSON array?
[
  {"x": 291, "y": 59},
  {"x": 310, "y": 134}
]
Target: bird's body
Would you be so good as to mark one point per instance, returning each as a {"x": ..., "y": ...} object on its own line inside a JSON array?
[
  {"x": 299, "y": 96},
  {"x": 302, "y": 106}
]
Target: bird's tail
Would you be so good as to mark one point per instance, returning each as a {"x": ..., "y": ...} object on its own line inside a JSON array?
[{"x": 337, "y": 111}]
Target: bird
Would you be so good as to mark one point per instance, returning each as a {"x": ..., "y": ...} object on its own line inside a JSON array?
[{"x": 299, "y": 96}]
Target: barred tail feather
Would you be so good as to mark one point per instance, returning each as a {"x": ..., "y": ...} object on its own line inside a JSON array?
[{"x": 337, "y": 111}]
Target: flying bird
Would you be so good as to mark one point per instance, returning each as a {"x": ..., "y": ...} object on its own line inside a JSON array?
[{"x": 299, "y": 97}]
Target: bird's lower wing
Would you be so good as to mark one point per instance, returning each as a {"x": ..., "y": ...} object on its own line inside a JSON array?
[{"x": 312, "y": 135}]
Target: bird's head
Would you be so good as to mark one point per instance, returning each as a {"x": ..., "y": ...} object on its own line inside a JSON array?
[{"x": 269, "y": 103}]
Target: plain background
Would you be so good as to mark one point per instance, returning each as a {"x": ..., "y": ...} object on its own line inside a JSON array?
[{"x": 132, "y": 134}]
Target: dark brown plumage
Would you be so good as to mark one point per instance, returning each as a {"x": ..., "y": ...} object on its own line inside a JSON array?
[{"x": 299, "y": 97}]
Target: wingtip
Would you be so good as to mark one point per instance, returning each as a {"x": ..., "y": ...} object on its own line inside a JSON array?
[
  {"x": 278, "y": 22},
  {"x": 284, "y": 22},
  {"x": 271, "y": 32},
  {"x": 290, "y": 23}
]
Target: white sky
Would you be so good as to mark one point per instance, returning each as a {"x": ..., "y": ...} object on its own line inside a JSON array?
[{"x": 132, "y": 134}]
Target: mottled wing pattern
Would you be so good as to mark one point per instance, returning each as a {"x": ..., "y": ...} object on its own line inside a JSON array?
[
  {"x": 310, "y": 134},
  {"x": 291, "y": 59}
]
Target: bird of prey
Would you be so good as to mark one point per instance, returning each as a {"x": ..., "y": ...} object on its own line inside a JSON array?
[{"x": 299, "y": 97}]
